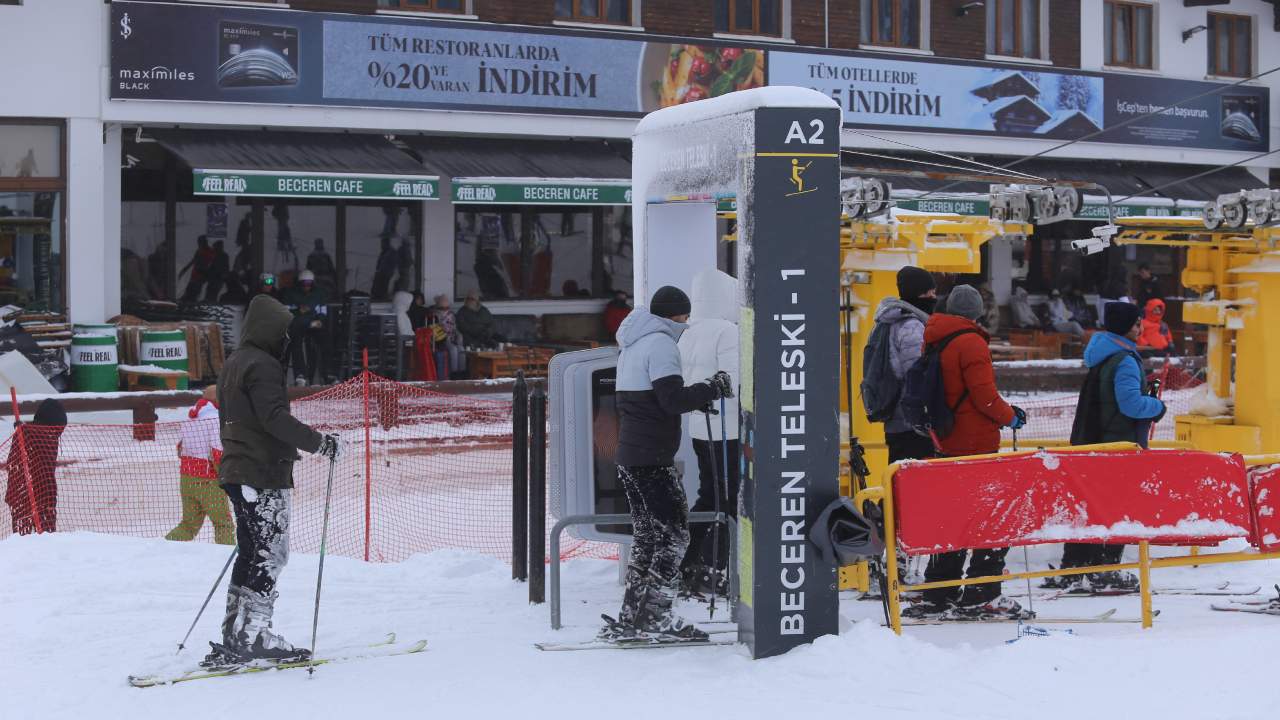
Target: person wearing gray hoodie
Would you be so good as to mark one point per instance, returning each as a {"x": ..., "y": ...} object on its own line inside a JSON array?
[
  {"x": 651, "y": 396},
  {"x": 906, "y": 315}
]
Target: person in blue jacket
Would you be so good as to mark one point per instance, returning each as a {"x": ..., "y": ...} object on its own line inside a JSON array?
[{"x": 1112, "y": 408}]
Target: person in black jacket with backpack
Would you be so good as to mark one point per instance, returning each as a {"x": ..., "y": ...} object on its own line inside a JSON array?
[
  {"x": 651, "y": 396},
  {"x": 1112, "y": 408}
]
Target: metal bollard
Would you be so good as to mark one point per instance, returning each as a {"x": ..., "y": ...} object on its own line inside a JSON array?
[
  {"x": 537, "y": 496},
  {"x": 519, "y": 479}
]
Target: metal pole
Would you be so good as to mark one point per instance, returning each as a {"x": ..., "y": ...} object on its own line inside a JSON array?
[
  {"x": 538, "y": 496},
  {"x": 207, "y": 598},
  {"x": 520, "y": 479},
  {"x": 324, "y": 536}
]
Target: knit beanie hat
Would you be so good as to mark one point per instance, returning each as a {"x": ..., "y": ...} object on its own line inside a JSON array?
[
  {"x": 914, "y": 282},
  {"x": 669, "y": 302},
  {"x": 965, "y": 302},
  {"x": 1120, "y": 317}
]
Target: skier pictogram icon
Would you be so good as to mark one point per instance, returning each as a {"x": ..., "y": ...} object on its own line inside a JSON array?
[{"x": 797, "y": 177}]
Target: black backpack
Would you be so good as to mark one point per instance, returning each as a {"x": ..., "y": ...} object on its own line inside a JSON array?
[
  {"x": 924, "y": 396},
  {"x": 1088, "y": 427},
  {"x": 880, "y": 387}
]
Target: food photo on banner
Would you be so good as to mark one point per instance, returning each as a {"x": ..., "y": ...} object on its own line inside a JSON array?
[{"x": 224, "y": 54}]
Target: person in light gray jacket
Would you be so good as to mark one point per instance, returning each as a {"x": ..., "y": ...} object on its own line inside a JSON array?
[
  {"x": 907, "y": 314},
  {"x": 651, "y": 396}
]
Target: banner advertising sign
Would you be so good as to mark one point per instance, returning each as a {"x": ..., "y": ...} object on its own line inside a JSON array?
[
  {"x": 536, "y": 191},
  {"x": 162, "y": 51},
  {"x": 256, "y": 183}
]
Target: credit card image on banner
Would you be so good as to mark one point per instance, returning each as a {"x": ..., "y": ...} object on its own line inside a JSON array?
[
  {"x": 1241, "y": 116},
  {"x": 251, "y": 55}
]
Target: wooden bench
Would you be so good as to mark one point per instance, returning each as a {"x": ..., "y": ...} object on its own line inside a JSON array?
[
  {"x": 491, "y": 364},
  {"x": 135, "y": 377}
]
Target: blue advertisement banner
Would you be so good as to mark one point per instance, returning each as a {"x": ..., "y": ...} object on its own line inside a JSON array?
[{"x": 246, "y": 55}]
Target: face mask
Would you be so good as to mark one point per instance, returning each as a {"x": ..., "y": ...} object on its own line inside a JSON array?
[{"x": 925, "y": 304}]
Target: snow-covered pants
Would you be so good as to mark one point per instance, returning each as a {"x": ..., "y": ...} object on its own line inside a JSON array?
[
  {"x": 262, "y": 536},
  {"x": 661, "y": 523},
  {"x": 950, "y": 566}
]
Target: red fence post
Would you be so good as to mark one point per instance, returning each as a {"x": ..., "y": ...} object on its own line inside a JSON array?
[
  {"x": 367, "y": 460},
  {"x": 26, "y": 464}
]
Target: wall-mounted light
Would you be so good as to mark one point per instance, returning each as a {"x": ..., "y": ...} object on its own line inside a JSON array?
[
  {"x": 1186, "y": 34},
  {"x": 965, "y": 8}
]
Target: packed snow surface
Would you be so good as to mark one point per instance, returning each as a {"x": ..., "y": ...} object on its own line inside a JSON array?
[{"x": 79, "y": 612}]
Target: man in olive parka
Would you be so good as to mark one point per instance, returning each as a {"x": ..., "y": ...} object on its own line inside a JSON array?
[{"x": 260, "y": 440}]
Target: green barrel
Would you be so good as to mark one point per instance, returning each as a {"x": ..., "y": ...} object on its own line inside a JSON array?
[
  {"x": 94, "y": 329},
  {"x": 94, "y": 363},
  {"x": 166, "y": 349}
]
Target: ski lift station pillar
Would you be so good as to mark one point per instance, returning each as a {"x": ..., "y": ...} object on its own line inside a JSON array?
[{"x": 776, "y": 153}]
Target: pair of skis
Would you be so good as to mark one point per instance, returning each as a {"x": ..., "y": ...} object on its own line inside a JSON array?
[
  {"x": 387, "y": 647},
  {"x": 1223, "y": 589},
  {"x": 720, "y": 633},
  {"x": 1103, "y": 617}
]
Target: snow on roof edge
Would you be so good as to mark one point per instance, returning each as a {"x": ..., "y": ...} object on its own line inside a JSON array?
[{"x": 731, "y": 104}]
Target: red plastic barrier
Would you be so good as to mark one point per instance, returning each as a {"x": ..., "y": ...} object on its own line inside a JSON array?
[
  {"x": 1175, "y": 496},
  {"x": 1264, "y": 489}
]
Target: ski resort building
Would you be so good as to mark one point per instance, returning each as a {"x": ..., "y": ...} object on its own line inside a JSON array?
[{"x": 446, "y": 146}]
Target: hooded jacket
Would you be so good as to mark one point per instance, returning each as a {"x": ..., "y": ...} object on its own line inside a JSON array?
[
  {"x": 260, "y": 438},
  {"x": 1122, "y": 402},
  {"x": 650, "y": 392},
  {"x": 476, "y": 325},
  {"x": 966, "y": 365},
  {"x": 39, "y": 439},
  {"x": 906, "y": 344},
  {"x": 1020, "y": 307},
  {"x": 1155, "y": 333},
  {"x": 711, "y": 344}
]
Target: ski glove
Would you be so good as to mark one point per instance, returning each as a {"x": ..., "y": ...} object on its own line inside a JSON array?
[
  {"x": 1163, "y": 409},
  {"x": 330, "y": 447},
  {"x": 721, "y": 385},
  {"x": 1019, "y": 418}
]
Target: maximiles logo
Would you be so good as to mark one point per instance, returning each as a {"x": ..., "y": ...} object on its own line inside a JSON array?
[{"x": 125, "y": 29}]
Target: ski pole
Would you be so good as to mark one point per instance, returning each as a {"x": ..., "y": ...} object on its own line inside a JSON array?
[
  {"x": 724, "y": 465},
  {"x": 715, "y": 529},
  {"x": 324, "y": 534},
  {"x": 1026, "y": 562},
  {"x": 182, "y": 645}
]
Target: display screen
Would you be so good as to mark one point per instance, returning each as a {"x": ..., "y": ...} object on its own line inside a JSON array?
[{"x": 610, "y": 496}]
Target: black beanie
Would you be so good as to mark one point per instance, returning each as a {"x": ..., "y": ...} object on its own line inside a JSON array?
[
  {"x": 669, "y": 302},
  {"x": 914, "y": 282},
  {"x": 1120, "y": 317}
]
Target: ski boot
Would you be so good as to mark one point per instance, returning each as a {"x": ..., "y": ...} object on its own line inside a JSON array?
[
  {"x": 998, "y": 608},
  {"x": 926, "y": 610},
  {"x": 624, "y": 627},
  {"x": 659, "y": 621},
  {"x": 247, "y": 634},
  {"x": 1114, "y": 581}
]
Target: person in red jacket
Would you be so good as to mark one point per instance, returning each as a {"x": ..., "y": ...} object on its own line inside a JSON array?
[
  {"x": 970, "y": 384},
  {"x": 1155, "y": 338},
  {"x": 615, "y": 312}
]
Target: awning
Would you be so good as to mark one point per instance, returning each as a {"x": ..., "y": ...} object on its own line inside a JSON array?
[
  {"x": 529, "y": 172},
  {"x": 1122, "y": 178},
  {"x": 298, "y": 164}
]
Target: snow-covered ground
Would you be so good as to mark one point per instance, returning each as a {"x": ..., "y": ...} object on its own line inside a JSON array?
[{"x": 79, "y": 612}]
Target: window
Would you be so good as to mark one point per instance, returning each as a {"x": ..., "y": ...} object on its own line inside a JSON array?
[
  {"x": 891, "y": 23},
  {"x": 1230, "y": 45},
  {"x": 1013, "y": 28},
  {"x": 1128, "y": 34},
  {"x": 445, "y": 6},
  {"x": 538, "y": 252},
  {"x": 32, "y": 245},
  {"x": 749, "y": 17},
  {"x": 617, "y": 12}
]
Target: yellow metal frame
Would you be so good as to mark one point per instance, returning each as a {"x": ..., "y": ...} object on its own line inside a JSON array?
[{"x": 883, "y": 494}]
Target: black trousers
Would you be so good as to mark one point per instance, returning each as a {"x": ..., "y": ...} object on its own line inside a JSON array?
[
  {"x": 262, "y": 536},
  {"x": 909, "y": 446},
  {"x": 700, "y": 534},
  {"x": 950, "y": 566},
  {"x": 1085, "y": 554},
  {"x": 661, "y": 523}
]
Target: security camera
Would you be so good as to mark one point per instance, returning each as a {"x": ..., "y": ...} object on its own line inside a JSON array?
[{"x": 1089, "y": 246}]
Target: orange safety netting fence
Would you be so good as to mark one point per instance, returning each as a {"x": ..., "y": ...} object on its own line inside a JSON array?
[{"x": 420, "y": 471}]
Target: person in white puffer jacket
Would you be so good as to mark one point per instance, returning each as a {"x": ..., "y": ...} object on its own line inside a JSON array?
[{"x": 709, "y": 345}]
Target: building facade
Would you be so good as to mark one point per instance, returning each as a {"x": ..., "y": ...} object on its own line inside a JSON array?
[{"x": 179, "y": 150}]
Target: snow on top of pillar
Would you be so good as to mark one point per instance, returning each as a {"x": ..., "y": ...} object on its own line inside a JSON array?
[{"x": 732, "y": 104}]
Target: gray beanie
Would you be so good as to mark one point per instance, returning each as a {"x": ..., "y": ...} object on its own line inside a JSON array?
[{"x": 965, "y": 302}]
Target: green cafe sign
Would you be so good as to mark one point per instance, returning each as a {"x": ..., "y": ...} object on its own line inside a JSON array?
[
  {"x": 314, "y": 185},
  {"x": 508, "y": 191},
  {"x": 1090, "y": 211}
]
